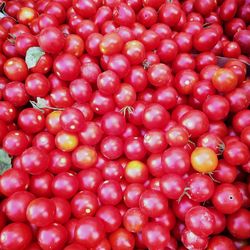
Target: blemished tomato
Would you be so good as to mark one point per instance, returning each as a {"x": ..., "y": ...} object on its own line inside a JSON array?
[
  {"x": 200, "y": 187},
  {"x": 204, "y": 160},
  {"x": 227, "y": 198},
  {"x": 200, "y": 221}
]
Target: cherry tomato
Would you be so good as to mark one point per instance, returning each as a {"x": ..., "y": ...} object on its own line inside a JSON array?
[
  {"x": 227, "y": 198},
  {"x": 89, "y": 231},
  {"x": 41, "y": 211},
  {"x": 15, "y": 69},
  {"x": 53, "y": 236},
  {"x": 15, "y": 236},
  {"x": 204, "y": 160}
]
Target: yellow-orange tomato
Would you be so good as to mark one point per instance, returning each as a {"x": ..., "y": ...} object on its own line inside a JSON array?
[
  {"x": 111, "y": 44},
  {"x": 136, "y": 172},
  {"x": 84, "y": 157},
  {"x": 224, "y": 80},
  {"x": 204, "y": 160},
  {"x": 66, "y": 141},
  {"x": 26, "y": 15},
  {"x": 53, "y": 122}
]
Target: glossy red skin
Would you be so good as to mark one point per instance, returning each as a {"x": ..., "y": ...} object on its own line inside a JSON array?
[
  {"x": 89, "y": 231},
  {"x": 172, "y": 186},
  {"x": 200, "y": 221},
  {"x": 15, "y": 142},
  {"x": 64, "y": 185},
  {"x": 67, "y": 67},
  {"x": 16, "y": 205},
  {"x": 31, "y": 120},
  {"x": 55, "y": 38},
  {"x": 108, "y": 82},
  {"x": 191, "y": 240},
  {"x": 196, "y": 122},
  {"x": 122, "y": 239},
  {"x": 227, "y": 198},
  {"x": 236, "y": 153},
  {"x": 176, "y": 160},
  {"x": 225, "y": 172},
  {"x": 134, "y": 148},
  {"x": 155, "y": 141},
  {"x": 15, "y": 236},
  {"x": 44, "y": 140},
  {"x": 201, "y": 187},
  {"x": 110, "y": 192},
  {"x": 63, "y": 210},
  {"x": 167, "y": 50},
  {"x": 83, "y": 204},
  {"x": 239, "y": 219},
  {"x": 110, "y": 217},
  {"x": 238, "y": 99},
  {"x": 158, "y": 203},
  {"x": 89, "y": 179},
  {"x": 155, "y": 117},
  {"x": 72, "y": 120},
  {"x": 34, "y": 161},
  {"x": 13, "y": 66},
  {"x": 155, "y": 235},
  {"x": 124, "y": 15},
  {"x": 52, "y": 236},
  {"x": 101, "y": 104},
  {"x": 41, "y": 212},
  {"x": 219, "y": 219},
  {"x": 132, "y": 194},
  {"x": 218, "y": 104},
  {"x": 228, "y": 10},
  {"x": 200, "y": 40},
  {"x": 221, "y": 242},
  {"x": 57, "y": 10},
  {"x": 241, "y": 120},
  {"x": 40, "y": 185}
]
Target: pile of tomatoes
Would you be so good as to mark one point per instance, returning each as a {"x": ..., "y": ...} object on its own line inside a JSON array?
[{"x": 124, "y": 124}]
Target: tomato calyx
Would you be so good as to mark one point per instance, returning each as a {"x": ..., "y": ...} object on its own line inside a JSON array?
[
  {"x": 33, "y": 55},
  {"x": 146, "y": 64},
  {"x": 185, "y": 192},
  {"x": 5, "y": 161},
  {"x": 41, "y": 104},
  {"x": 127, "y": 109},
  {"x": 3, "y": 13},
  {"x": 210, "y": 174}
]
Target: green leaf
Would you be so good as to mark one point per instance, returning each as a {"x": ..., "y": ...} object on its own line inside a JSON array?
[
  {"x": 5, "y": 161},
  {"x": 33, "y": 55}
]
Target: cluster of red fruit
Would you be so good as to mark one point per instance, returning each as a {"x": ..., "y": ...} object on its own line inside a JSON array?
[{"x": 124, "y": 124}]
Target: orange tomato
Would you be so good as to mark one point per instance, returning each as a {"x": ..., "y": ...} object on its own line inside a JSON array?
[
  {"x": 204, "y": 160},
  {"x": 66, "y": 141},
  {"x": 136, "y": 172}
]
